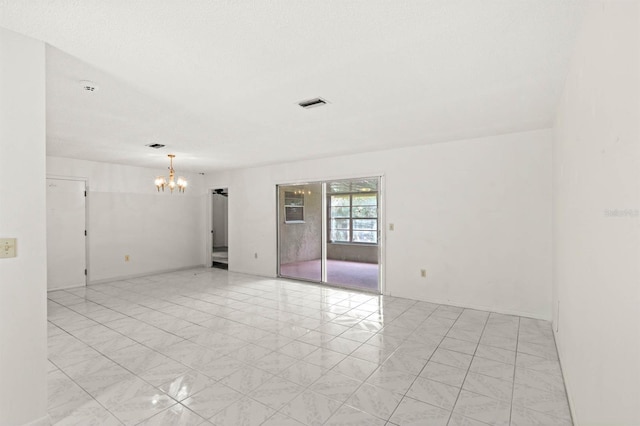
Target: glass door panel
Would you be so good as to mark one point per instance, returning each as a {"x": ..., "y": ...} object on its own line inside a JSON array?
[
  {"x": 352, "y": 249},
  {"x": 300, "y": 231}
]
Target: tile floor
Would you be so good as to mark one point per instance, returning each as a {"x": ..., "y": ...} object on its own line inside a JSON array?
[{"x": 206, "y": 346}]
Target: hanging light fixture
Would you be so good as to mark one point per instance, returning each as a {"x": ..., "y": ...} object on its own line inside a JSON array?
[{"x": 172, "y": 183}]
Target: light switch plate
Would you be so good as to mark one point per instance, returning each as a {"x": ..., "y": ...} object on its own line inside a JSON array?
[{"x": 7, "y": 247}]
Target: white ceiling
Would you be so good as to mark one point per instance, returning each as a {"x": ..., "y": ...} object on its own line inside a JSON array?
[{"x": 218, "y": 82}]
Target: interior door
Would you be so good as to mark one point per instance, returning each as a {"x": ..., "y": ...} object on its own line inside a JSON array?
[{"x": 66, "y": 246}]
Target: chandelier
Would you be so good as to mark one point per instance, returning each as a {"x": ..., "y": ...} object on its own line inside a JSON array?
[{"x": 161, "y": 181}]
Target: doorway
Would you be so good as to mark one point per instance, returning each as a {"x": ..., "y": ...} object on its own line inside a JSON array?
[
  {"x": 220, "y": 228},
  {"x": 329, "y": 232},
  {"x": 66, "y": 234}
]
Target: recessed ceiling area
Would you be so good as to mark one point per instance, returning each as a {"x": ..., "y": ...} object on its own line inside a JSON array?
[{"x": 218, "y": 83}]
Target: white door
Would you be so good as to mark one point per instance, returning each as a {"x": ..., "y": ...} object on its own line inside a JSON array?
[{"x": 66, "y": 255}]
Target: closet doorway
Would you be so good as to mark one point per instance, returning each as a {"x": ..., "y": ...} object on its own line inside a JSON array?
[{"x": 329, "y": 232}]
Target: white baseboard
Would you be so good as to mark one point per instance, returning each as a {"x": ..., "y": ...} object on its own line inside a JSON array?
[
  {"x": 66, "y": 288},
  {"x": 42, "y": 421},
  {"x": 436, "y": 301},
  {"x": 143, "y": 274},
  {"x": 481, "y": 308}
]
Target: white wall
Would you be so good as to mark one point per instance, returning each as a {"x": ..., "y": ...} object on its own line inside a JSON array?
[
  {"x": 23, "y": 279},
  {"x": 475, "y": 213},
  {"x": 127, "y": 216},
  {"x": 597, "y": 255}
]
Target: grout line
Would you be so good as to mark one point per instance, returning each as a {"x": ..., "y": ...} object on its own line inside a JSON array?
[
  {"x": 513, "y": 384},
  {"x": 91, "y": 396},
  {"x": 425, "y": 364},
  {"x": 469, "y": 367},
  {"x": 362, "y": 382}
]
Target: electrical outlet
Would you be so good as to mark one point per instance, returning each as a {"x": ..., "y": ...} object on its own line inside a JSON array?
[
  {"x": 423, "y": 273},
  {"x": 255, "y": 255},
  {"x": 391, "y": 227},
  {"x": 126, "y": 258}
]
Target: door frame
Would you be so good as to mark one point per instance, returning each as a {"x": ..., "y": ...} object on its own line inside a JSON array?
[
  {"x": 87, "y": 201},
  {"x": 209, "y": 225},
  {"x": 382, "y": 288}
]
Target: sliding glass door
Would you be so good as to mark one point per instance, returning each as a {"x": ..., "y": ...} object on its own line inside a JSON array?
[
  {"x": 329, "y": 232},
  {"x": 300, "y": 231}
]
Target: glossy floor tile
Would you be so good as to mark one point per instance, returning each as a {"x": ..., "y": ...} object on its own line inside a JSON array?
[{"x": 210, "y": 347}]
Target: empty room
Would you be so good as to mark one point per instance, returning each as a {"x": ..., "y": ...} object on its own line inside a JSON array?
[{"x": 320, "y": 213}]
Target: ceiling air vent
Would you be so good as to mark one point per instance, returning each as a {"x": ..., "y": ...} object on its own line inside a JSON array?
[
  {"x": 312, "y": 103},
  {"x": 155, "y": 145},
  {"x": 88, "y": 86}
]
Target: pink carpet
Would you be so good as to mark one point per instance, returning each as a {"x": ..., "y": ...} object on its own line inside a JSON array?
[{"x": 339, "y": 272}]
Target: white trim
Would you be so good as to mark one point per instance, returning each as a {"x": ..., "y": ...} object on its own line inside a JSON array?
[
  {"x": 208, "y": 250},
  {"x": 477, "y": 307},
  {"x": 42, "y": 421},
  {"x": 86, "y": 179},
  {"x": 144, "y": 274},
  {"x": 66, "y": 288},
  {"x": 324, "y": 225},
  {"x": 278, "y": 218},
  {"x": 347, "y": 176},
  {"x": 382, "y": 240}
]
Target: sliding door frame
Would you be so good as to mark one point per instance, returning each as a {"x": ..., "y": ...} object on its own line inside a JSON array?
[
  {"x": 381, "y": 225},
  {"x": 323, "y": 237}
]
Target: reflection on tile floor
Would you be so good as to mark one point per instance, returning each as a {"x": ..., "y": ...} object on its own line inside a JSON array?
[{"x": 209, "y": 347}]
